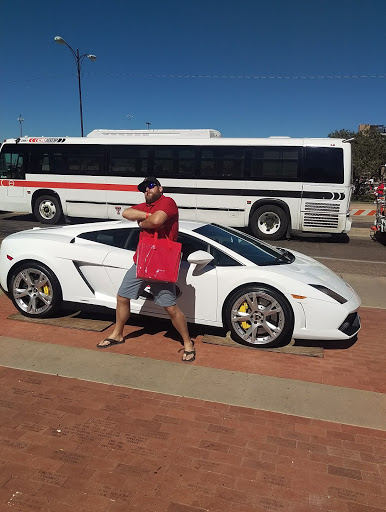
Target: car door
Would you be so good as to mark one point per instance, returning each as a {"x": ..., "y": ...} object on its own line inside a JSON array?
[
  {"x": 89, "y": 254},
  {"x": 196, "y": 288}
]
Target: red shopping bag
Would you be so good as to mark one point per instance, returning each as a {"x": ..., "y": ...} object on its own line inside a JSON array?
[{"x": 158, "y": 259}]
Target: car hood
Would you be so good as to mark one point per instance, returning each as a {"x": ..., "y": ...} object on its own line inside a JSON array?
[{"x": 309, "y": 271}]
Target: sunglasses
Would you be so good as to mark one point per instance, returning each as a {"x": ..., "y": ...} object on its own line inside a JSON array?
[{"x": 151, "y": 185}]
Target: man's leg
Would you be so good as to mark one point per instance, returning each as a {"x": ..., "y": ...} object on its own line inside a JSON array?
[
  {"x": 179, "y": 322},
  {"x": 122, "y": 315}
]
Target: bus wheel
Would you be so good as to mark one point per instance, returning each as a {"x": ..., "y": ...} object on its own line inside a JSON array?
[
  {"x": 47, "y": 209},
  {"x": 269, "y": 222}
]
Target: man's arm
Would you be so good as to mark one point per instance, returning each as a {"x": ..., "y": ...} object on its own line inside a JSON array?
[
  {"x": 154, "y": 220},
  {"x": 134, "y": 214}
]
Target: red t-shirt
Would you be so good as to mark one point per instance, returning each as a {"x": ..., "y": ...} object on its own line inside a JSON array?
[{"x": 169, "y": 228}]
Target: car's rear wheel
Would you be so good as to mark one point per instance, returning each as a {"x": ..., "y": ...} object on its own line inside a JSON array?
[
  {"x": 259, "y": 316},
  {"x": 47, "y": 209},
  {"x": 35, "y": 290}
]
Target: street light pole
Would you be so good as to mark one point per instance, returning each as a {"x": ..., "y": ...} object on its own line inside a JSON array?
[
  {"x": 20, "y": 119},
  {"x": 78, "y": 61}
]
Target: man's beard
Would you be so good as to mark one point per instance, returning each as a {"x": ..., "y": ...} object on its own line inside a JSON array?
[{"x": 152, "y": 199}]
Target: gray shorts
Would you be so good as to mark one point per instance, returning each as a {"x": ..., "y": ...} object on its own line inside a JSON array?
[{"x": 164, "y": 293}]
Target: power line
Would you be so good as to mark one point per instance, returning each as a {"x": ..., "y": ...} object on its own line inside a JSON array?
[{"x": 211, "y": 77}]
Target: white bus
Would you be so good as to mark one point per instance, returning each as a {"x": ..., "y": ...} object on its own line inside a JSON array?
[{"x": 276, "y": 185}]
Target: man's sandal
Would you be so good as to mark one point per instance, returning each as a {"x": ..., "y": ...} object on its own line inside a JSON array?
[
  {"x": 110, "y": 343},
  {"x": 188, "y": 353}
]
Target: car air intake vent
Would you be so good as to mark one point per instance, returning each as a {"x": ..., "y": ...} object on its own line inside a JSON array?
[
  {"x": 351, "y": 325},
  {"x": 322, "y": 207}
]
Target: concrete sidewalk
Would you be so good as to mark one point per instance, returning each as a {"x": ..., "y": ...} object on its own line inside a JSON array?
[{"x": 317, "y": 401}]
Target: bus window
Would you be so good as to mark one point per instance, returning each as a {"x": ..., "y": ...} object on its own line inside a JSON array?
[
  {"x": 173, "y": 161},
  {"x": 88, "y": 160},
  {"x": 13, "y": 164},
  {"x": 323, "y": 165},
  {"x": 128, "y": 161},
  {"x": 222, "y": 163},
  {"x": 272, "y": 163},
  {"x": 47, "y": 160}
]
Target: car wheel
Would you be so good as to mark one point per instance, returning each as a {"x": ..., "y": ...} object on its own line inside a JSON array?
[
  {"x": 259, "y": 316},
  {"x": 269, "y": 222},
  {"x": 35, "y": 290},
  {"x": 47, "y": 209}
]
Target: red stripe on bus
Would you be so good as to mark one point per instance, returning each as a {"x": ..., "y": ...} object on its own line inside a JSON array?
[{"x": 78, "y": 186}]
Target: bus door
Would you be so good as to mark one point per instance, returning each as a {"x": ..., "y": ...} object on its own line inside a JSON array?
[
  {"x": 13, "y": 161},
  {"x": 324, "y": 196},
  {"x": 86, "y": 181},
  {"x": 221, "y": 185}
]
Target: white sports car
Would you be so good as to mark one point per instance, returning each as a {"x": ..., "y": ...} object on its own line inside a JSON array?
[{"x": 264, "y": 295}]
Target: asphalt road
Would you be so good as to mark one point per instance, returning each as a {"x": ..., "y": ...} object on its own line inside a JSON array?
[{"x": 355, "y": 253}]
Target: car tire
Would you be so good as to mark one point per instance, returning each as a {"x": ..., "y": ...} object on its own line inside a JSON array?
[
  {"x": 269, "y": 222},
  {"x": 47, "y": 209},
  {"x": 35, "y": 290},
  {"x": 259, "y": 316}
]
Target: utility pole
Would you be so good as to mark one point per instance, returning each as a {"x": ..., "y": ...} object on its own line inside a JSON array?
[{"x": 20, "y": 119}]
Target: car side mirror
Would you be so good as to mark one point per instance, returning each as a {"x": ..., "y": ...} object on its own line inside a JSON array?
[{"x": 200, "y": 258}]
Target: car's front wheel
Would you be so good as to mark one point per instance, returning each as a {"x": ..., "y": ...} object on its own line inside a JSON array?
[
  {"x": 259, "y": 316},
  {"x": 35, "y": 290}
]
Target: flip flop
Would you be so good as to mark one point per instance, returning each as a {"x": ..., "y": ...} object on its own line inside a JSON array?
[
  {"x": 111, "y": 342},
  {"x": 187, "y": 353}
]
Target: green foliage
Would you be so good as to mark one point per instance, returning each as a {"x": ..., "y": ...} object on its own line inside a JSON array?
[{"x": 368, "y": 151}]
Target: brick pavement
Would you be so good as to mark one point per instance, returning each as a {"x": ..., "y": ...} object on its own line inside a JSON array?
[
  {"x": 360, "y": 366},
  {"x": 71, "y": 445}
]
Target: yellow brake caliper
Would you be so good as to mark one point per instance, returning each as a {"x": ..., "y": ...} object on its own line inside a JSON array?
[
  {"x": 243, "y": 309},
  {"x": 46, "y": 290}
]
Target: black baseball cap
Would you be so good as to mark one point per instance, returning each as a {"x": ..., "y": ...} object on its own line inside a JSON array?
[{"x": 150, "y": 179}]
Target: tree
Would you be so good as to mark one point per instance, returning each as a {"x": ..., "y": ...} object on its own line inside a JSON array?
[
  {"x": 368, "y": 151},
  {"x": 342, "y": 134}
]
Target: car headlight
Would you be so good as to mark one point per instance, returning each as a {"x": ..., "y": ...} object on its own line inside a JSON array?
[{"x": 330, "y": 293}]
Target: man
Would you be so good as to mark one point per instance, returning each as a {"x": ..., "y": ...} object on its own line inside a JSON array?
[{"x": 158, "y": 213}]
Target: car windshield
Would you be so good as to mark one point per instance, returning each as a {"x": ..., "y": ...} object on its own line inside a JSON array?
[{"x": 246, "y": 245}]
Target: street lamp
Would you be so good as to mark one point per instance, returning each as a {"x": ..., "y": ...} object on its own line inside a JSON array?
[
  {"x": 78, "y": 60},
  {"x": 20, "y": 119}
]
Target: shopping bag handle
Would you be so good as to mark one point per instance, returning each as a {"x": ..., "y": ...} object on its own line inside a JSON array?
[{"x": 166, "y": 236}]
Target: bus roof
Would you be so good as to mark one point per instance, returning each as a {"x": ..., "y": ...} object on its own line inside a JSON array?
[{"x": 178, "y": 138}]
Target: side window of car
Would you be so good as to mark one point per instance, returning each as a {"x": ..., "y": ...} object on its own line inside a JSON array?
[
  {"x": 220, "y": 259},
  {"x": 190, "y": 244},
  {"x": 132, "y": 241},
  {"x": 113, "y": 237}
]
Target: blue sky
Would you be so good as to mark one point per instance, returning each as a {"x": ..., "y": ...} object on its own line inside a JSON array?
[{"x": 150, "y": 53}]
